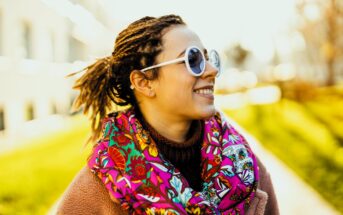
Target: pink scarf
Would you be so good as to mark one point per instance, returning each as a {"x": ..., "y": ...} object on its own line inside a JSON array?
[{"x": 135, "y": 173}]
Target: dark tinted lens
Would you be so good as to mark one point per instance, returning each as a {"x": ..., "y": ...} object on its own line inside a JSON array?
[{"x": 196, "y": 61}]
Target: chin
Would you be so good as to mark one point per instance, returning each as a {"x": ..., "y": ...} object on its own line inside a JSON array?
[{"x": 208, "y": 112}]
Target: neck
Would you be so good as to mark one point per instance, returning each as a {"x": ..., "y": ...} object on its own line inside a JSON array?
[{"x": 167, "y": 125}]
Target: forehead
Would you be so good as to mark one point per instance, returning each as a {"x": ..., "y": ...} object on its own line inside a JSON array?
[{"x": 177, "y": 39}]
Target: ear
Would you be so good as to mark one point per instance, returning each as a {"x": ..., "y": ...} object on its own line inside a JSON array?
[{"x": 141, "y": 84}]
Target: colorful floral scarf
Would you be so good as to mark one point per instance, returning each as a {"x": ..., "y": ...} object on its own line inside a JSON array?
[{"x": 128, "y": 162}]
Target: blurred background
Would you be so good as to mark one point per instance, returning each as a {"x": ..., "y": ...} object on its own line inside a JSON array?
[{"x": 282, "y": 83}]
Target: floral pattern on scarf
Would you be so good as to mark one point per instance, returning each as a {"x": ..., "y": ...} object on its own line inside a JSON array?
[{"x": 128, "y": 162}]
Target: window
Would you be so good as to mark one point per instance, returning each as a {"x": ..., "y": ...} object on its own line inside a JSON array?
[
  {"x": 30, "y": 115},
  {"x": 2, "y": 119},
  {"x": 27, "y": 40},
  {"x": 54, "y": 108}
]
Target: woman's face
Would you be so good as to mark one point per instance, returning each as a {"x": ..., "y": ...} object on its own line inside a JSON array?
[{"x": 178, "y": 92}]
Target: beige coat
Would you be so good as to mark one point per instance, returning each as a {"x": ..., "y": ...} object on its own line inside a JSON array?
[{"x": 88, "y": 195}]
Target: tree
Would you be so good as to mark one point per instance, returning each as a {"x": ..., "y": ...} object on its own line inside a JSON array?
[
  {"x": 322, "y": 28},
  {"x": 237, "y": 54}
]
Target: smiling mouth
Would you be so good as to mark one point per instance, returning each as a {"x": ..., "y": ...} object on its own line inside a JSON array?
[{"x": 206, "y": 91}]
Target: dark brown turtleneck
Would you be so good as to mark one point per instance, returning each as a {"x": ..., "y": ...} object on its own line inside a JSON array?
[{"x": 185, "y": 156}]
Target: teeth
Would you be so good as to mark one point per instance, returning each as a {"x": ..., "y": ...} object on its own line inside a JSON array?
[{"x": 204, "y": 91}]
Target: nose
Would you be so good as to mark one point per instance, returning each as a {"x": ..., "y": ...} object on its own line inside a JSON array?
[{"x": 210, "y": 71}]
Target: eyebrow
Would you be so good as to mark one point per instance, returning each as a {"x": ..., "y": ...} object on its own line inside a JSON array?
[{"x": 182, "y": 53}]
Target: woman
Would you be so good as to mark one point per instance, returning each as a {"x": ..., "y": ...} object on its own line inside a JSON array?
[{"x": 170, "y": 152}]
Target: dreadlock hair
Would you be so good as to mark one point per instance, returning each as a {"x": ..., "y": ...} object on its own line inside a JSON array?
[{"x": 107, "y": 81}]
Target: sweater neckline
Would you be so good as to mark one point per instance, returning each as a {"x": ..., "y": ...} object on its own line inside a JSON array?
[{"x": 193, "y": 136}]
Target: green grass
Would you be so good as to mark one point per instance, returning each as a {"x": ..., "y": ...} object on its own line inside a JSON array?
[
  {"x": 33, "y": 176},
  {"x": 295, "y": 135},
  {"x": 307, "y": 137}
]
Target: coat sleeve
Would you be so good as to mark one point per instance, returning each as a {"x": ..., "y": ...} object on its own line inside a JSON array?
[
  {"x": 265, "y": 202},
  {"x": 266, "y": 185},
  {"x": 87, "y": 195}
]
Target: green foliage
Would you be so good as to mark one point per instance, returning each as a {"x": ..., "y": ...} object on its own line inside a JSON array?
[
  {"x": 307, "y": 137},
  {"x": 34, "y": 176}
]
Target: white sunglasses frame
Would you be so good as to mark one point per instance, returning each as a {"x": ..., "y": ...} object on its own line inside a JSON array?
[{"x": 182, "y": 59}]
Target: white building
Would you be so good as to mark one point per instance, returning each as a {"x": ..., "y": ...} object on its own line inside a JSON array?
[{"x": 40, "y": 42}]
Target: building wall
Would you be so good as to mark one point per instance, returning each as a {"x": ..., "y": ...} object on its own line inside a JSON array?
[{"x": 36, "y": 52}]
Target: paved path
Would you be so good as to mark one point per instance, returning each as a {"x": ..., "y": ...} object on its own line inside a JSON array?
[{"x": 295, "y": 197}]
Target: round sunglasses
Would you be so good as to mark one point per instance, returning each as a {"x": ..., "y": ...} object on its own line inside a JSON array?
[{"x": 195, "y": 61}]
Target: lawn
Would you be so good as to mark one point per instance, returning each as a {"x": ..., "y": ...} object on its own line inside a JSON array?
[
  {"x": 306, "y": 136},
  {"x": 34, "y": 176}
]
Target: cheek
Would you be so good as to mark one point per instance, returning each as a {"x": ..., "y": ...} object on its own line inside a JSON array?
[
  {"x": 178, "y": 94},
  {"x": 184, "y": 90},
  {"x": 177, "y": 87},
  {"x": 180, "y": 83}
]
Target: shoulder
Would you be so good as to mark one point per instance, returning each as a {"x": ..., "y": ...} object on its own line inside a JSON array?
[
  {"x": 265, "y": 201},
  {"x": 87, "y": 195}
]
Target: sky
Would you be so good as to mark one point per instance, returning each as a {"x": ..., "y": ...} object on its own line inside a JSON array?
[{"x": 257, "y": 25}]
